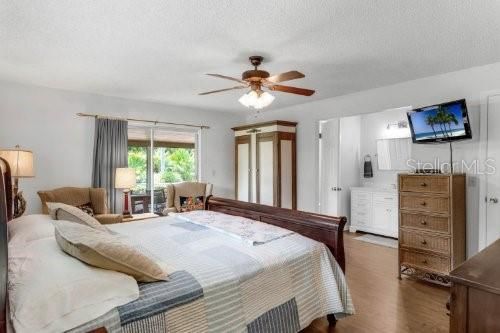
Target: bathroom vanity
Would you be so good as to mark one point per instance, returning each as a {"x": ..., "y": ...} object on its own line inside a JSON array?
[{"x": 374, "y": 210}]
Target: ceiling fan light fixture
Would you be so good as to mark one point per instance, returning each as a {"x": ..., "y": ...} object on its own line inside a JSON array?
[{"x": 255, "y": 100}]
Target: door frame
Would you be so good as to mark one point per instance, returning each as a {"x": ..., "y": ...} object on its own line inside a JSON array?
[
  {"x": 483, "y": 155},
  {"x": 319, "y": 160}
]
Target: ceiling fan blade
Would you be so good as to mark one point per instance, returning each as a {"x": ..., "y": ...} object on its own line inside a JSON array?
[
  {"x": 227, "y": 78},
  {"x": 221, "y": 90},
  {"x": 292, "y": 75},
  {"x": 292, "y": 90}
]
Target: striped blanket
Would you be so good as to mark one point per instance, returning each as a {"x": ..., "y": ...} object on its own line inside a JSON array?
[{"x": 224, "y": 284}]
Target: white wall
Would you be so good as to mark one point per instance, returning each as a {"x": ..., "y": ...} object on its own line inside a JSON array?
[
  {"x": 44, "y": 120},
  {"x": 467, "y": 84},
  {"x": 374, "y": 127}
]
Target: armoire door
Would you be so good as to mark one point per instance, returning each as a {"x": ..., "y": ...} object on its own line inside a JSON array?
[
  {"x": 287, "y": 169},
  {"x": 243, "y": 149},
  {"x": 266, "y": 154}
]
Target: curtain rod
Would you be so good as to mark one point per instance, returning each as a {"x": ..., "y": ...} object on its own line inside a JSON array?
[{"x": 142, "y": 120}]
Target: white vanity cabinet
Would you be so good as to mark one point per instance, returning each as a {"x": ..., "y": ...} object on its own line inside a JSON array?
[{"x": 374, "y": 210}]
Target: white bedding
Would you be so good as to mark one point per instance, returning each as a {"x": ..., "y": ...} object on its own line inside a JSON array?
[{"x": 50, "y": 291}]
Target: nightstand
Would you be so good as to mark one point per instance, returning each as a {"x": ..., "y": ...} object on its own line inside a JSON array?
[{"x": 138, "y": 217}]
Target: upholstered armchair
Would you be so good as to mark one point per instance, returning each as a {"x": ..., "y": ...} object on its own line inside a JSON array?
[
  {"x": 174, "y": 192},
  {"x": 76, "y": 196}
]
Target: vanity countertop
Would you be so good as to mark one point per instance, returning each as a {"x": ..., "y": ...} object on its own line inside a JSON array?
[{"x": 374, "y": 189}]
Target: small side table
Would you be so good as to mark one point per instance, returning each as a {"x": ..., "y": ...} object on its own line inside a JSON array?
[{"x": 138, "y": 217}]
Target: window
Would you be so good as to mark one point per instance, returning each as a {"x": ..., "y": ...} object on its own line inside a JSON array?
[{"x": 159, "y": 157}]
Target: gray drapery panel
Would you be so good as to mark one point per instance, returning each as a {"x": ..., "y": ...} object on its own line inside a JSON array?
[{"x": 110, "y": 152}]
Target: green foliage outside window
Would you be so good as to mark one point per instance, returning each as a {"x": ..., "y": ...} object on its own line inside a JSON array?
[{"x": 169, "y": 165}]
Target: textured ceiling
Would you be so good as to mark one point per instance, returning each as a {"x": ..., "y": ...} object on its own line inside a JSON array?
[{"x": 159, "y": 50}]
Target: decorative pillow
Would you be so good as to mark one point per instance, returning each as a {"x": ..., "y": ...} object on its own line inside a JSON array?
[
  {"x": 86, "y": 208},
  {"x": 60, "y": 211},
  {"x": 108, "y": 251},
  {"x": 192, "y": 203}
]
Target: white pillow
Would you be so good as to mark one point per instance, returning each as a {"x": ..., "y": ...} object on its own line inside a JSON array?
[
  {"x": 50, "y": 291},
  {"x": 28, "y": 228}
]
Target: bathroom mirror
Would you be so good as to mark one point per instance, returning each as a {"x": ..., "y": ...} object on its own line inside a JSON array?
[{"x": 393, "y": 154}]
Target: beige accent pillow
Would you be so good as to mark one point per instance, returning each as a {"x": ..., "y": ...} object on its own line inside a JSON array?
[
  {"x": 60, "y": 211},
  {"x": 107, "y": 251}
]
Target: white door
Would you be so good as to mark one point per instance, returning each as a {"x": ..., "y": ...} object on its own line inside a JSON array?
[
  {"x": 329, "y": 167},
  {"x": 493, "y": 179}
]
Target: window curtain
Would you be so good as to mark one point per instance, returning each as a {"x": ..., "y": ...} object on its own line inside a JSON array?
[{"x": 110, "y": 152}]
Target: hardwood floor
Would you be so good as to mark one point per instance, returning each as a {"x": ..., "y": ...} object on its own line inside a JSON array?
[{"x": 384, "y": 303}]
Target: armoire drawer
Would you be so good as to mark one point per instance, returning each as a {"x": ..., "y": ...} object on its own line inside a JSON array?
[
  {"x": 431, "y": 204},
  {"x": 425, "y": 241},
  {"x": 425, "y": 184},
  {"x": 440, "y": 264},
  {"x": 425, "y": 222}
]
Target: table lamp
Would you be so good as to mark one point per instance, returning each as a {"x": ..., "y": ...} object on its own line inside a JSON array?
[
  {"x": 125, "y": 180},
  {"x": 21, "y": 165}
]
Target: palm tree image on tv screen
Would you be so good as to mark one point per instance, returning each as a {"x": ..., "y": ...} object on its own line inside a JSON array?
[{"x": 438, "y": 122}]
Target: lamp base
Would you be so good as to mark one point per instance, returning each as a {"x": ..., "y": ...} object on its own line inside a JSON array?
[
  {"x": 19, "y": 204},
  {"x": 126, "y": 215}
]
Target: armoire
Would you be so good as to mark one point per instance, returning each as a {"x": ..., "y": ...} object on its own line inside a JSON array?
[{"x": 265, "y": 163}]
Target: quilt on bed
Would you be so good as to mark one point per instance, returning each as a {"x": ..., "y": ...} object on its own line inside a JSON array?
[{"x": 223, "y": 284}]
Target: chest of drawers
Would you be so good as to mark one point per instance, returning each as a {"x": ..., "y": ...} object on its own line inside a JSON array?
[{"x": 431, "y": 225}]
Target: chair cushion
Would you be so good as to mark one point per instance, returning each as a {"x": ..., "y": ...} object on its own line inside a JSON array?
[
  {"x": 60, "y": 211},
  {"x": 108, "y": 251}
]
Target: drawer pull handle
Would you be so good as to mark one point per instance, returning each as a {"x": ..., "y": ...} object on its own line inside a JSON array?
[
  {"x": 423, "y": 203},
  {"x": 423, "y": 222},
  {"x": 424, "y": 261},
  {"x": 424, "y": 242},
  {"x": 424, "y": 184}
]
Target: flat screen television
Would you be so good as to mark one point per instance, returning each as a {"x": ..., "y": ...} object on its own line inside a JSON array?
[{"x": 440, "y": 123}]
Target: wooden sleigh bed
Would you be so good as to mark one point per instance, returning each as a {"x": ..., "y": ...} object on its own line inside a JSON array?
[{"x": 324, "y": 229}]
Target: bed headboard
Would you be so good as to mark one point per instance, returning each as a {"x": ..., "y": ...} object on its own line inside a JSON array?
[
  {"x": 5, "y": 216},
  {"x": 322, "y": 228}
]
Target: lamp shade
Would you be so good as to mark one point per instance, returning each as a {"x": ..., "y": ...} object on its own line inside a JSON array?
[
  {"x": 20, "y": 162},
  {"x": 125, "y": 178},
  {"x": 256, "y": 100}
]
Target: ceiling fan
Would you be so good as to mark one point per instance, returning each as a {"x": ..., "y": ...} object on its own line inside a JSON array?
[{"x": 257, "y": 80}]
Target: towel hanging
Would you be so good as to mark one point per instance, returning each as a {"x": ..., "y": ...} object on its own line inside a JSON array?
[{"x": 368, "y": 169}]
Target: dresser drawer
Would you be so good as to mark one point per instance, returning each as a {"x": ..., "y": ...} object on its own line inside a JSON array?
[
  {"x": 426, "y": 184},
  {"x": 424, "y": 241},
  {"x": 388, "y": 200},
  {"x": 425, "y": 261},
  {"x": 425, "y": 222},
  {"x": 361, "y": 200},
  {"x": 361, "y": 217},
  {"x": 424, "y": 203}
]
